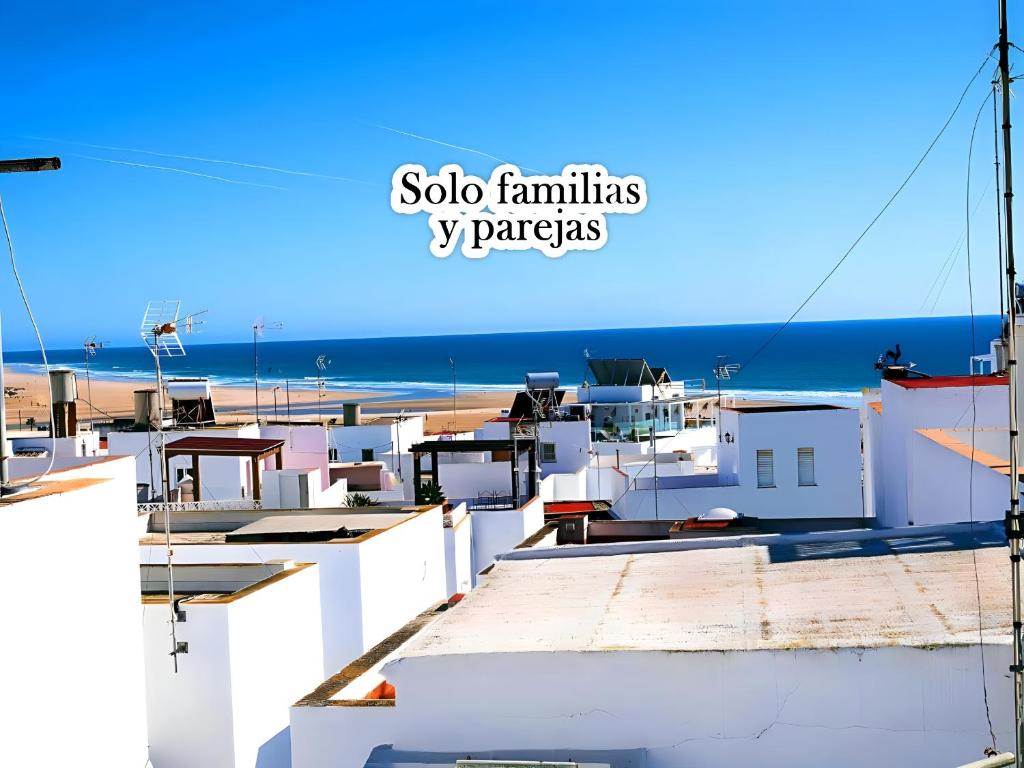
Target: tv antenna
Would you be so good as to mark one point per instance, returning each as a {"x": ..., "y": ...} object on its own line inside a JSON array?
[
  {"x": 259, "y": 327},
  {"x": 159, "y": 332},
  {"x": 90, "y": 345},
  {"x": 322, "y": 361},
  {"x": 723, "y": 370}
]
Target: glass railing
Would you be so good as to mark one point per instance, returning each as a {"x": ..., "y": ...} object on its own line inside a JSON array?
[{"x": 614, "y": 430}]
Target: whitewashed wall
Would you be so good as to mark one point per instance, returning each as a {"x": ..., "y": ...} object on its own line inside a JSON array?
[
  {"x": 305, "y": 447},
  {"x": 942, "y": 484},
  {"x": 71, "y": 661},
  {"x": 467, "y": 481},
  {"x": 499, "y": 530},
  {"x": 223, "y": 477},
  {"x": 906, "y": 410},
  {"x": 458, "y": 552},
  {"x": 772, "y": 709},
  {"x": 367, "y": 589},
  {"x": 247, "y": 662},
  {"x": 834, "y": 435}
]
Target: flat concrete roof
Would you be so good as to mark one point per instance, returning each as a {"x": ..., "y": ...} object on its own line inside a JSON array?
[
  {"x": 280, "y": 525},
  {"x": 915, "y": 590}
]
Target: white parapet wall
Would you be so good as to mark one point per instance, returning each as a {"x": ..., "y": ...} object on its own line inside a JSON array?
[
  {"x": 250, "y": 655},
  {"x": 499, "y": 530},
  {"x": 846, "y": 708},
  {"x": 71, "y": 661},
  {"x": 369, "y": 585}
]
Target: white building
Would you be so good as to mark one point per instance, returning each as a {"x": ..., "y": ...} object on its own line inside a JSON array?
[
  {"x": 891, "y": 432},
  {"x": 71, "y": 652},
  {"x": 711, "y": 656},
  {"x": 224, "y": 477},
  {"x": 377, "y": 566},
  {"x": 249, "y": 643},
  {"x": 776, "y": 460},
  {"x": 629, "y": 400}
]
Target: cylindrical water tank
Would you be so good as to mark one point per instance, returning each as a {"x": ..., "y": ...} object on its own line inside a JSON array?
[
  {"x": 545, "y": 380},
  {"x": 62, "y": 381},
  {"x": 147, "y": 409},
  {"x": 351, "y": 415}
]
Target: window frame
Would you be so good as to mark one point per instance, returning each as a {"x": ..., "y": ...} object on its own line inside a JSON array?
[
  {"x": 543, "y": 453},
  {"x": 757, "y": 466},
  {"x": 799, "y": 476}
]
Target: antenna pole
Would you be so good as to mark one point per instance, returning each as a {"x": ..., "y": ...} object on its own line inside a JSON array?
[
  {"x": 999, "y": 208},
  {"x": 1013, "y": 515},
  {"x": 5, "y": 471},
  {"x": 256, "y": 372}
]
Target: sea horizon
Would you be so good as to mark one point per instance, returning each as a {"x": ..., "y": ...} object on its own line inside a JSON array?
[{"x": 829, "y": 359}]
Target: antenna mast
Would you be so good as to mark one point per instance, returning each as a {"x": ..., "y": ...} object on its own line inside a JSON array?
[
  {"x": 258, "y": 329},
  {"x": 90, "y": 346},
  {"x": 159, "y": 332},
  {"x": 1013, "y": 515}
]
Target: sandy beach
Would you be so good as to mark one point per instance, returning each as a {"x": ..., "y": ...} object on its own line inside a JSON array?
[{"x": 111, "y": 399}]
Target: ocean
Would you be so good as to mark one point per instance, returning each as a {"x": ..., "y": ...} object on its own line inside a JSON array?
[{"x": 821, "y": 360}]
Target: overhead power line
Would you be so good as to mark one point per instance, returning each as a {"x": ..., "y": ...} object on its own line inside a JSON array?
[{"x": 873, "y": 221}]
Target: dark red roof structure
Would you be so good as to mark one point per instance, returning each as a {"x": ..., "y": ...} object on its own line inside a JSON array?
[{"x": 942, "y": 382}]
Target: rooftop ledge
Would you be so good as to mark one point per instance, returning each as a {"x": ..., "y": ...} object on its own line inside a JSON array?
[
  {"x": 214, "y": 584},
  {"x": 358, "y": 683}
]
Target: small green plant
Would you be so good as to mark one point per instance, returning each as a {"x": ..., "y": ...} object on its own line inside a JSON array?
[
  {"x": 430, "y": 493},
  {"x": 360, "y": 500}
]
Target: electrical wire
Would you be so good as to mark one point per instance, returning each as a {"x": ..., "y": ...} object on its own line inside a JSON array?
[
  {"x": 974, "y": 423},
  {"x": 42, "y": 349},
  {"x": 889, "y": 202},
  {"x": 873, "y": 221}
]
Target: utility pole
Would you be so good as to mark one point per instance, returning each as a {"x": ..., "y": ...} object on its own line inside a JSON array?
[
  {"x": 28, "y": 165},
  {"x": 1013, "y": 515}
]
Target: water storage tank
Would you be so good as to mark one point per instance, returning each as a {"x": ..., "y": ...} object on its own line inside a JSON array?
[
  {"x": 546, "y": 380},
  {"x": 351, "y": 415},
  {"x": 62, "y": 380},
  {"x": 63, "y": 417},
  {"x": 147, "y": 409}
]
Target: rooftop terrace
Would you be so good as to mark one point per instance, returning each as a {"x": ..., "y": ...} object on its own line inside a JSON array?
[
  {"x": 834, "y": 590},
  {"x": 219, "y": 583},
  {"x": 323, "y": 525}
]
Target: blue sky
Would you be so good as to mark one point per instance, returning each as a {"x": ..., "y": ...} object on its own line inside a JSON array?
[{"x": 769, "y": 134}]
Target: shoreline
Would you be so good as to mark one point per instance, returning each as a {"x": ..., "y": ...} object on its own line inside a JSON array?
[{"x": 114, "y": 398}]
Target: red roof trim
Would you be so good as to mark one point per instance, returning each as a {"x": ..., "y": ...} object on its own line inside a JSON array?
[{"x": 942, "y": 382}]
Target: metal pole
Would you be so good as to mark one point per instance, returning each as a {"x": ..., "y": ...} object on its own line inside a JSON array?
[
  {"x": 288, "y": 399},
  {"x": 256, "y": 373},
  {"x": 4, "y": 458},
  {"x": 88, "y": 387},
  {"x": 999, "y": 207},
  {"x": 1014, "y": 526}
]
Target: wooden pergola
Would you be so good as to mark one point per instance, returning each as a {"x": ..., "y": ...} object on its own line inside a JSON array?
[
  {"x": 515, "y": 449},
  {"x": 254, "y": 449}
]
